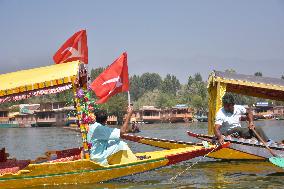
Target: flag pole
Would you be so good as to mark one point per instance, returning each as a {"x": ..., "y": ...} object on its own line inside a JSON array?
[{"x": 128, "y": 98}]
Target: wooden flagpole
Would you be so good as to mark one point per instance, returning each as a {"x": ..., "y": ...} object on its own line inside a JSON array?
[{"x": 128, "y": 98}]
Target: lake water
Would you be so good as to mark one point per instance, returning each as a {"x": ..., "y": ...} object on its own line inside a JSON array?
[{"x": 29, "y": 143}]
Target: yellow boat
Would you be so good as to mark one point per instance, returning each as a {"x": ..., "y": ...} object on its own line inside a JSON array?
[
  {"x": 229, "y": 153},
  {"x": 218, "y": 84},
  {"x": 72, "y": 166},
  {"x": 263, "y": 87},
  {"x": 74, "y": 170}
]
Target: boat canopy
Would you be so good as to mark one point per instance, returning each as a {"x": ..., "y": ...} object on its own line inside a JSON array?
[
  {"x": 54, "y": 78},
  {"x": 48, "y": 80},
  {"x": 221, "y": 82}
]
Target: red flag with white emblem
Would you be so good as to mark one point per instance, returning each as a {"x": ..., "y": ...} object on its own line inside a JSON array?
[
  {"x": 112, "y": 80},
  {"x": 75, "y": 48}
]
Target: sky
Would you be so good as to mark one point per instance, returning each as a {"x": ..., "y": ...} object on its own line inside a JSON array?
[{"x": 180, "y": 37}]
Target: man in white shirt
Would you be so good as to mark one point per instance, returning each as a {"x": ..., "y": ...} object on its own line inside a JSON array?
[{"x": 227, "y": 121}]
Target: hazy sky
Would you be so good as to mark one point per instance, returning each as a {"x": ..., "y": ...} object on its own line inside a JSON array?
[{"x": 181, "y": 37}]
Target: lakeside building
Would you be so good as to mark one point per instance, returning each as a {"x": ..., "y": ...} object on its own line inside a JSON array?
[
  {"x": 5, "y": 121},
  {"x": 201, "y": 117},
  {"x": 278, "y": 112},
  {"x": 151, "y": 114},
  {"x": 263, "y": 110},
  {"x": 25, "y": 117},
  {"x": 4, "y": 115},
  {"x": 53, "y": 114},
  {"x": 178, "y": 113},
  {"x": 112, "y": 120},
  {"x": 24, "y": 120},
  {"x": 148, "y": 114}
]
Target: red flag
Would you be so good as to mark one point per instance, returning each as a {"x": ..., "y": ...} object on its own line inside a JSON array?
[
  {"x": 113, "y": 80},
  {"x": 75, "y": 48}
]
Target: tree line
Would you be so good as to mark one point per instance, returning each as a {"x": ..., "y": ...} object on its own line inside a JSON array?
[{"x": 153, "y": 90}]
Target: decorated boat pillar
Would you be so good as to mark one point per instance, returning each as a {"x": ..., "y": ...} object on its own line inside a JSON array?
[
  {"x": 80, "y": 85},
  {"x": 216, "y": 91}
]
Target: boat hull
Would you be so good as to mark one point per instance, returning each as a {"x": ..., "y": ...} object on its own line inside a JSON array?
[
  {"x": 77, "y": 172},
  {"x": 241, "y": 149},
  {"x": 233, "y": 152},
  {"x": 86, "y": 171},
  {"x": 9, "y": 125}
]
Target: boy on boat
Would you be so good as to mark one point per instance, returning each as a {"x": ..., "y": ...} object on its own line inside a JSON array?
[
  {"x": 106, "y": 144},
  {"x": 227, "y": 121},
  {"x": 134, "y": 127}
]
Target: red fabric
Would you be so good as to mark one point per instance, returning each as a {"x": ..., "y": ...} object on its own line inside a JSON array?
[
  {"x": 13, "y": 166},
  {"x": 65, "y": 159},
  {"x": 75, "y": 48},
  {"x": 68, "y": 152},
  {"x": 113, "y": 80}
]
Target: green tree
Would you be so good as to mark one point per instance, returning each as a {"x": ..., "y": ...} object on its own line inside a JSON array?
[
  {"x": 149, "y": 98},
  {"x": 136, "y": 89},
  {"x": 66, "y": 96},
  {"x": 184, "y": 95},
  {"x": 170, "y": 85},
  {"x": 199, "y": 104},
  {"x": 150, "y": 81},
  {"x": 196, "y": 94},
  {"x": 165, "y": 100},
  {"x": 230, "y": 70},
  {"x": 197, "y": 77},
  {"x": 190, "y": 82},
  {"x": 116, "y": 105},
  {"x": 258, "y": 74},
  {"x": 196, "y": 86},
  {"x": 96, "y": 72}
]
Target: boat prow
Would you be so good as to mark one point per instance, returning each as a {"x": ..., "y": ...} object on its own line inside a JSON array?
[{"x": 241, "y": 148}]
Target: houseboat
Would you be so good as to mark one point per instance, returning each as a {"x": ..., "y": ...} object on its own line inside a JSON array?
[
  {"x": 178, "y": 113},
  {"x": 278, "y": 112},
  {"x": 112, "y": 120},
  {"x": 202, "y": 118},
  {"x": 25, "y": 117},
  {"x": 52, "y": 114},
  {"x": 5, "y": 121},
  {"x": 149, "y": 114},
  {"x": 263, "y": 110}
]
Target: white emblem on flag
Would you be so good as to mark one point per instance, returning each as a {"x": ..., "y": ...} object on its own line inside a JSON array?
[
  {"x": 115, "y": 80},
  {"x": 74, "y": 52}
]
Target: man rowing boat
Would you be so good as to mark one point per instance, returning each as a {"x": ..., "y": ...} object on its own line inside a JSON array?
[{"x": 227, "y": 121}]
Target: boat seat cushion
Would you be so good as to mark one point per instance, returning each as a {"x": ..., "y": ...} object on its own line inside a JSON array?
[
  {"x": 122, "y": 156},
  {"x": 70, "y": 158},
  {"x": 13, "y": 166}
]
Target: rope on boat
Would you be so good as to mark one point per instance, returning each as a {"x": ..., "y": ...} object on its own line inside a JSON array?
[{"x": 201, "y": 158}]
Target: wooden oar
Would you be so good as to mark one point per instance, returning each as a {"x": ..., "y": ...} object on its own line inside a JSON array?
[{"x": 278, "y": 161}]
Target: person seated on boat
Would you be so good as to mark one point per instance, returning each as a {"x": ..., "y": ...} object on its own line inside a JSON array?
[
  {"x": 134, "y": 127},
  {"x": 106, "y": 145},
  {"x": 228, "y": 121},
  {"x": 3, "y": 155}
]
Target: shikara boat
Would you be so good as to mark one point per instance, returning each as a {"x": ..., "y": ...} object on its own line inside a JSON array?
[
  {"x": 67, "y": 167},
  {"x": 263, "y": 87},
  {"x": 239, "y": 148},
  {"x": 242, "y": 148},
  {"x": 71, "y": 166},
  {"x": 227, "y": 153}
]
